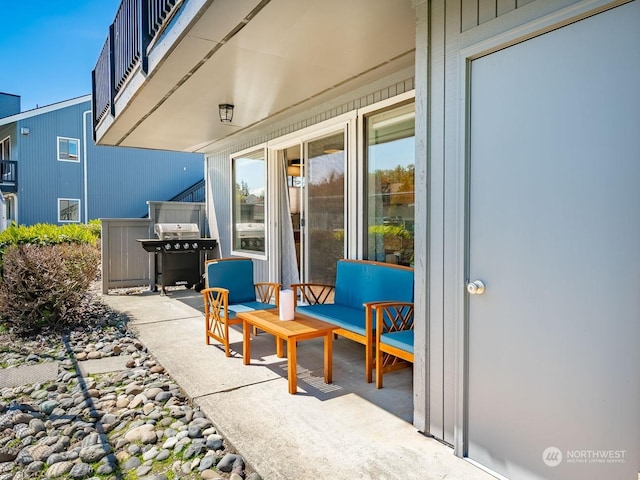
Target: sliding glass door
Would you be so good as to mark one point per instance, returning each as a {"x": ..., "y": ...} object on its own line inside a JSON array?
[
  {"x": 324, "y": 223},
  {"x": 315, "y": 171}
]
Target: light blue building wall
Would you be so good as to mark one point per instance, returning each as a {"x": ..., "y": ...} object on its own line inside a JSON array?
[
  {"x": 105, "y": 182},
  {"x": 9, "y": 104}
]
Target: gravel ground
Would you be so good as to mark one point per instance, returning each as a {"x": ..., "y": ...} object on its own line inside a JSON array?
[{"x": 134, "y": 423}]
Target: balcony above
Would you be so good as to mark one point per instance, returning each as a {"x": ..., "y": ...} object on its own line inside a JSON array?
[
  {"x": 167, "y": 65},
  {"x": 8, "y": 176}
]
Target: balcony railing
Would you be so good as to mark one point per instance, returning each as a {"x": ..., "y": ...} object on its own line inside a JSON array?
[
  {"x": 136, "y": 25},
  {"x": 9, "y": 176}
]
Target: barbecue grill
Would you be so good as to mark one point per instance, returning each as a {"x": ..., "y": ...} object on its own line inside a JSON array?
[{"x": 179, "y": 254}]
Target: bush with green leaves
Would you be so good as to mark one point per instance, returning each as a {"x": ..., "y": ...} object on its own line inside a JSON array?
[{"x": 46, "y": 273}]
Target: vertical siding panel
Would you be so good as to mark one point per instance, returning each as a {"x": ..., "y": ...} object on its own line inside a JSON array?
[
  {"x": 468, "y": 14},
  {"x": 450, "y": 229},
  {"x": 434, "y": 402},
  {"x": 505, "y": 6},
  {"x": 427, "y": 41},
  {"x": 486, "y": 10}
]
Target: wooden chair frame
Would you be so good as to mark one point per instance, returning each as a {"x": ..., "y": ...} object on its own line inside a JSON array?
[
  {"x": 391, "y": 317},
  {"x": 216, "y": 308}
]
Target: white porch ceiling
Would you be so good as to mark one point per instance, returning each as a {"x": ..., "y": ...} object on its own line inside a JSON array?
[{"x": 287, "y": 57}]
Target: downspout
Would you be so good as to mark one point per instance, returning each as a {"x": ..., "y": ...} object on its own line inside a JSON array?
[{"x": 84, "y": 156}]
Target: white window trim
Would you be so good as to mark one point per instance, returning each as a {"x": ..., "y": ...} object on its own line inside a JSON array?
[
  {"x": 361, "y": 187},
  {"x": 70, "y": 139},
  {"x": 70, "y": 200},
  {"x": 267, "y": 226},
  {"x": 8, "y": 140}
]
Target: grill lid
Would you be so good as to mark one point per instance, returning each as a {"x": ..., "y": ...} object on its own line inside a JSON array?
[{"x": 176, "y": 231}]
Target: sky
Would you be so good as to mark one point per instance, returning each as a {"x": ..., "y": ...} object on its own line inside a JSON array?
[{"x": 48, "y": 48}]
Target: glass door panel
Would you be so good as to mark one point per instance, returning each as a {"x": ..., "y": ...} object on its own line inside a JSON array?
[{"x": 324, "y": 218}]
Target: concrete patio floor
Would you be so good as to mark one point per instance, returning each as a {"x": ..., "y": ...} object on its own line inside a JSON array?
[{"x": 345, "y": 430}]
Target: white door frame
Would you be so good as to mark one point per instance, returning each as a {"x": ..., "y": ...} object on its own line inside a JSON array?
[{"x": 345, "y": 122}]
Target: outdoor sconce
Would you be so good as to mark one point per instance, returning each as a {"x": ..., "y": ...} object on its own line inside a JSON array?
[{"x": 226, "y": 112}]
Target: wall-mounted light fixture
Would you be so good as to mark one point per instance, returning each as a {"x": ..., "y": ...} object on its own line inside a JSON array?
[
  {"x": 24, "y": 131},
  {"x": 226, "y": 112}
]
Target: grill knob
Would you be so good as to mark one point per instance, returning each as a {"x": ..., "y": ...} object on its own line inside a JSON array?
[
  {"x": 177, "y": 246},
  {"x": 195, "y": 245},
  {"x": 186, "y": 246},
  {"x": 167, "y": 246}
]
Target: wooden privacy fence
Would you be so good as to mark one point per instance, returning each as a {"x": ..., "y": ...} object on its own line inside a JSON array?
[{"x": 124, "y": 262}]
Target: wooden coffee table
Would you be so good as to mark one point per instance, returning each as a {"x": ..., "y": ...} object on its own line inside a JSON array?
[{"x": 291, "y": 331}]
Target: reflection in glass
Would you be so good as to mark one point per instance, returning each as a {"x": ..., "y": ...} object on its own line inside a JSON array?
[
  {"x": 249, "y": 182},
  {"x": 325, "y": 216},
  {"x": 390, "y": 156},
  {"x": 69, "y": 210}
]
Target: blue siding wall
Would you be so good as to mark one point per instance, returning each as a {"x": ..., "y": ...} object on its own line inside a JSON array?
[
  {"x": 144, "y": 175},
  {"x": 9, "y": 104},
  {"x": 120, "y": 180}
]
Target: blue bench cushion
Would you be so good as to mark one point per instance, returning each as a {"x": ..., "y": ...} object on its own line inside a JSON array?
[
  {"x": 234, "y": 275},
  {"x": 248, "y": 307},
  {"x": 358, "y": 283},
  {"x": 402, "y": 339},
  {"x": 348, "y": 318}
]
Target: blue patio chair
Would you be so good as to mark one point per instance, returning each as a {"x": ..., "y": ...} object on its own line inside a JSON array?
[{"x": 229, "y": 289}]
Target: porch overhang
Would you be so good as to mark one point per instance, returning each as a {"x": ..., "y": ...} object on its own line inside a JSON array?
[{"x": 269, "y": 58}]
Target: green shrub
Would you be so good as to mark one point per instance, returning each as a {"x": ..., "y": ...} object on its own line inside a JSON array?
[
  {"x": 95, "y": 227},
  {"x": 46, "y": 234},
  {"x": 44, "y": 286}
]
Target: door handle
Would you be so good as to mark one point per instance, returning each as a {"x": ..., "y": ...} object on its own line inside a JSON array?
[{"x": 476, "y": 287}]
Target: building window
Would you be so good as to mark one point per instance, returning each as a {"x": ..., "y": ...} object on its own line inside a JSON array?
[
  {"x": 5, "y": 149},
  {"x": 68, "y": 210},
  {"x": 248, "y": 205},
  {"x": 68, "y": 149},
  {"x": 390, "y": 160}
]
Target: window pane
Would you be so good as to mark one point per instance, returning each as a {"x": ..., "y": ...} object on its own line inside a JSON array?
[
  {"x": 390, "y": 185},
  {"x": 69, "y": 210},
  {"x": 68, "y": 148},
  {"x": 63, "y": 148},
  {"x": 249, "y": 182},
  {"x": 73, "y": 149}
]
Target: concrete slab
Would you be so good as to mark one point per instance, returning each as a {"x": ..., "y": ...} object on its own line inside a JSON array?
[
  {"x": 348, "y": 429},
  {"x": 27, "y": 374},
  {"x": 104, "y": 365}
]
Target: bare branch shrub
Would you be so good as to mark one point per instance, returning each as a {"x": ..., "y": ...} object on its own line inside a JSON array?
[{"x": 44, "y": 287}]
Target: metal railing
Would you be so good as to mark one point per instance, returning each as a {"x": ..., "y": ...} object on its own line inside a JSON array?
[
  {"x": 136, "y": 24},
  {"x": 159, "y": 11},
  {"x": 9, "y": 176},
  {"x": 195, "y": 193}
]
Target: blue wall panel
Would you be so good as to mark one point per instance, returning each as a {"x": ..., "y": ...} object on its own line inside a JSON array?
[
  {"x": 9, "y": 104},
  {"x": 119, "y": 180}
]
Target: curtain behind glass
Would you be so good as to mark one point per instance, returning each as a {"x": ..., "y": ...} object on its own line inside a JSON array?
[{"x": 288, "y": 262}]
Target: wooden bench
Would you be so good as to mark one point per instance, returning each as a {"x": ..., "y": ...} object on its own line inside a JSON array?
[{"x": 350, "y": 303}]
